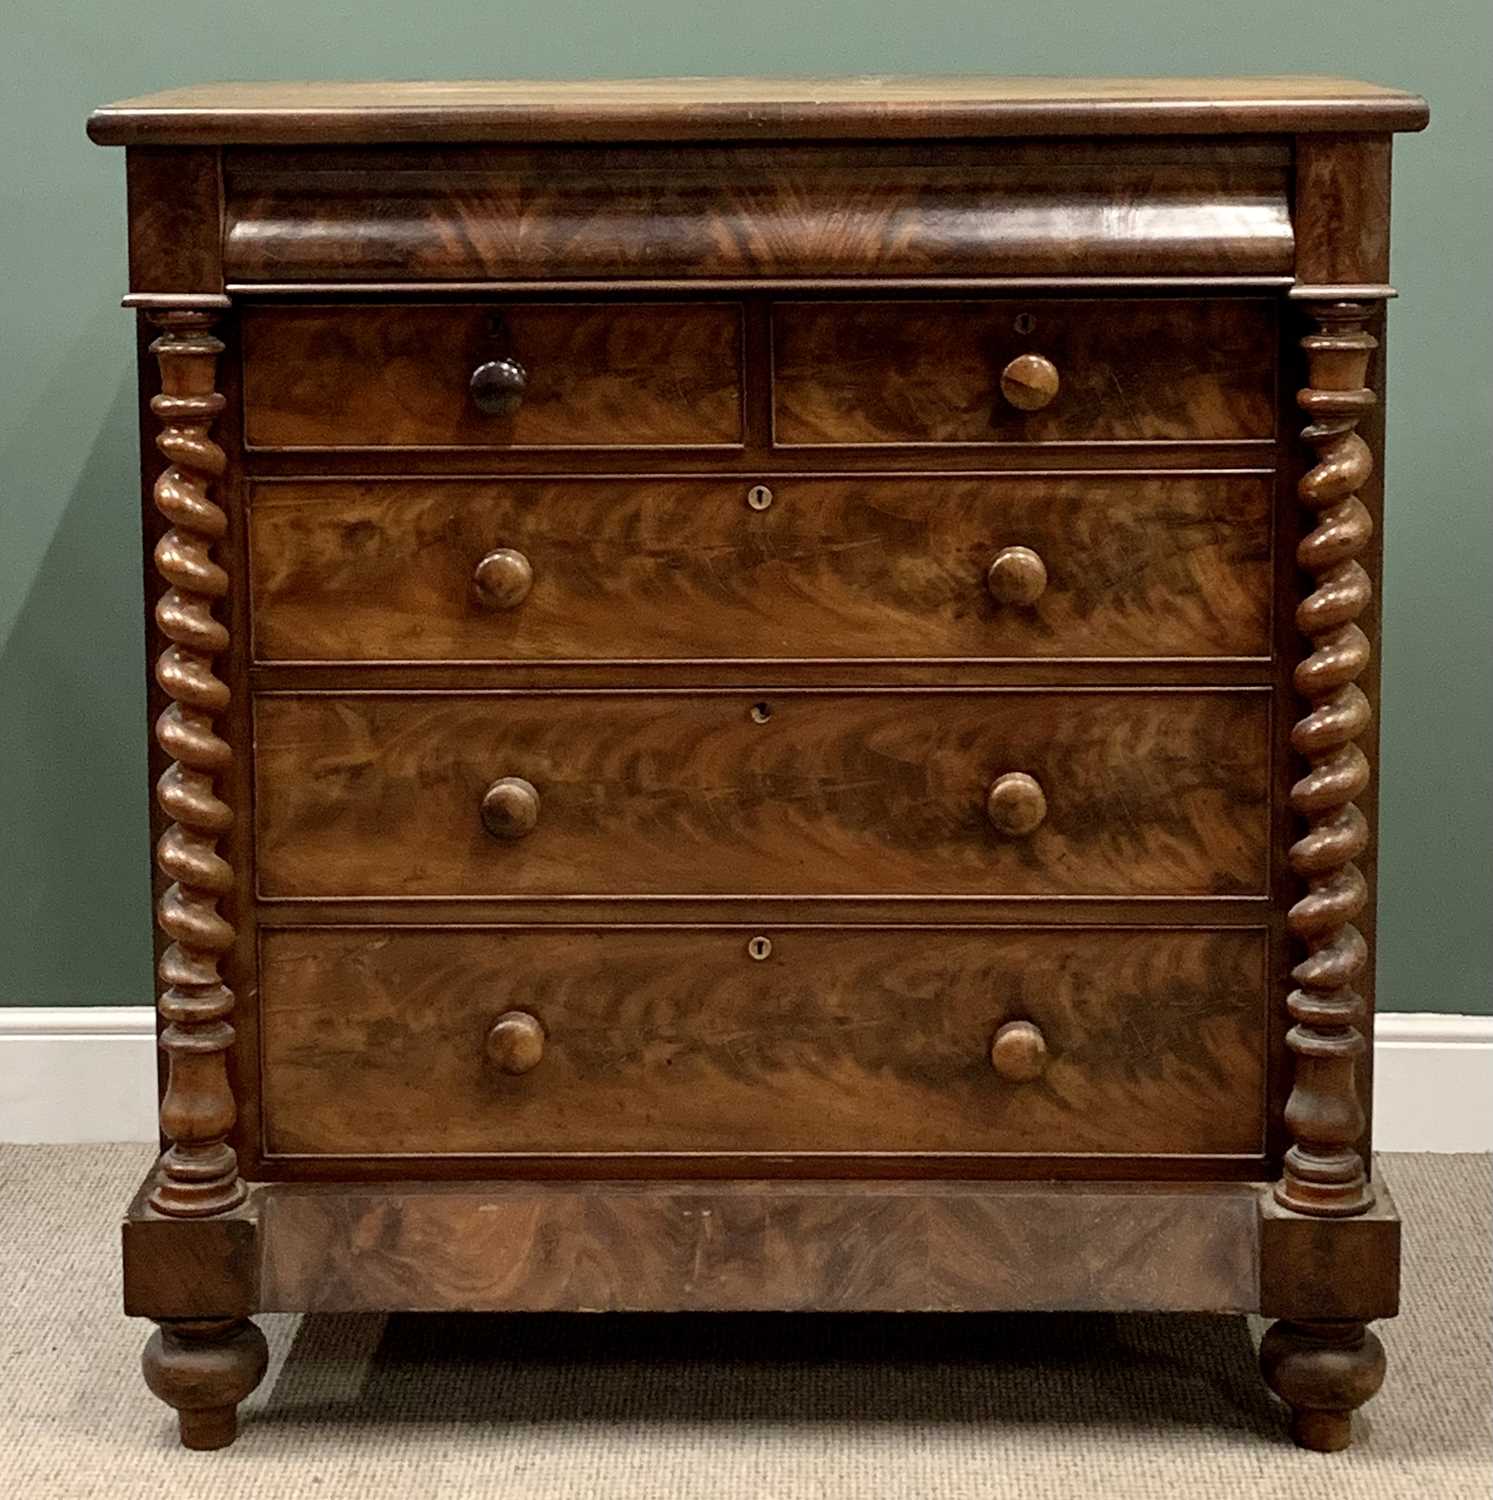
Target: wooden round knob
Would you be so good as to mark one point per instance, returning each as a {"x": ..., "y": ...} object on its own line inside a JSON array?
[
  {"x": 510, "y": 808},
  {"x": 1016, "y": 804},
  {"x": 1029, "y": 382},
  {"x": 1019, "y": 1052},
  {"x": 515, "y": 1042},
  {"x": 503, "y": 578},
  {"x": 1017, "y": 576},
  {"x": 498, "y": 386}
]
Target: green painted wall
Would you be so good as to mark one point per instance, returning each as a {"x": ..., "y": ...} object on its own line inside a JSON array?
[{"x": 73, "y": 845}]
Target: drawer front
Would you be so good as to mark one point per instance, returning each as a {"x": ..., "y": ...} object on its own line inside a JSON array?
[
  {"x": 616, "y": 375},
  {"x": 658, "y": 1040},
  {"x": 535, "y": 212},
  {"x": 1146, "y": 792},
  {"x": 834, "y": 568},
  {"x": 936, "y": 372}
]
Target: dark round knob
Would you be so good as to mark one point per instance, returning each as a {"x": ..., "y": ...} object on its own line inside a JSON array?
[
  {"x": 1016, "y": 803},
  {"x": 1029, "y": 382},
  {"x": 515, "y": 1042},
  {"x": 510, "y": 808},
  {"x": 498, "y": 386},
  {"x": 1017, "y": 576},
  {"x": 1019, "y": 1052},
  {"x": 503, "y": 578}
]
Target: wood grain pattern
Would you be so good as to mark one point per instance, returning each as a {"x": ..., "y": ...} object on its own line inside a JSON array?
[
  {"x": 750, "y": 108},
  {"x": 176, "y": 235},
  {"x": 841, "y": 1041},
  {"x": 929, "y": 372},
  {"x": 1312, "y": 1268},
  {"x": 295, "y": 1247},
  {"x": 1124, "y": 208},
  {"x": 848, "y": 567},
  {"x": 755, "y": 1245},
  {"x": 755, "y": 458},
  {"x": 1149, "y": 793},
  {"x": 599, "y": 374},
  {"x": 200, "y": 1268},
  {"x": 1342, "y": 209},
  {"x": 870, "y": 911}
]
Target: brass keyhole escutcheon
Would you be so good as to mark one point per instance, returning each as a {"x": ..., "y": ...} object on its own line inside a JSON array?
[
  {"x": 759, "y": 948},
  {"x": 1025, "y": 323},
  {"x": 760, "y": 713},
  {"x": 759, "y": 497}
]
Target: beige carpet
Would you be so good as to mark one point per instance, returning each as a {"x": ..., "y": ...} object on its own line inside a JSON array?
[{"x": 850, "y": 1408}]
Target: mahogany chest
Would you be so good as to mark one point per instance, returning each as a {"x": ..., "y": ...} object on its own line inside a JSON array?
[{"x": 764, "y": 699}]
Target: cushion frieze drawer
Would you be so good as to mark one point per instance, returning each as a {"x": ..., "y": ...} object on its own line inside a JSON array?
[
  {"x": 600, "y": 1041},
  {"x": 1032, "y": 371},
  {"x": 510, "y": 375},
  {"x": 798, "y": 792},
  {"x": 840, "y": 567},
  {"x": 802, "y": 209}
]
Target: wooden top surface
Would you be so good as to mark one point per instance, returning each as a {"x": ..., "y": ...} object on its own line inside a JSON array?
[{"x": 749, "y": 108}]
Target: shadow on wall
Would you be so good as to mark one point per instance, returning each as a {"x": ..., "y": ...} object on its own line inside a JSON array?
[{"x": 75, "y": 849}]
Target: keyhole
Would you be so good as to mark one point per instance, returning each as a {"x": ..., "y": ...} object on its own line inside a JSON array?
[
  {"x": 761, "y": 712},
  {"x": 759, "y": 948},
  {"x": 759, "y": 497},
  {"x": 1025, "y": 323}
]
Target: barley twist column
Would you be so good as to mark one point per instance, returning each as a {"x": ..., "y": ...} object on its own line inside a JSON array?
[
  {"x": 1323, "y": 1172},
  {"x": 199, "y": 1172}
]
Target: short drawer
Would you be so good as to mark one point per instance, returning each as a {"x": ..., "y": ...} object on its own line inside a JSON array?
[
  {"x": 605, "y": 1041},
  {"x": 1024, "y": 372},
  {"x": 794, "y": 792},
  {"x": 845, "y": 567},
  {"x": 543, "y": 375}
]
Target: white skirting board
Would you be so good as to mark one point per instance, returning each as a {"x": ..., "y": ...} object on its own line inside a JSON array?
[{"x": 88, "y": 1074}]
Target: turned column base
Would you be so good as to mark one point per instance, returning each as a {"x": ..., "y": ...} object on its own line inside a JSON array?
[
  {"x": 1323, "y": 1372},
  {"x": 203, "y": 1370}
]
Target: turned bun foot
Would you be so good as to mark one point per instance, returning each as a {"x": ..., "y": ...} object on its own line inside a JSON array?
[
  {"x": 1324, "y": 1372},
  {"x": 204, "y": 1370}
]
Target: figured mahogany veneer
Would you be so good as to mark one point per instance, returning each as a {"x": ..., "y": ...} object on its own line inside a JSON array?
[
  {"x": 670, "y": 1041},
  {"x": 735, "y": 722},
  {"x": 802, "y": 793},
  {"x": 850, "y": 567},
  {"x": 597, "y": 375},
  {"x": 931, "y": 372},
  {"x": 798, "y": 209}
]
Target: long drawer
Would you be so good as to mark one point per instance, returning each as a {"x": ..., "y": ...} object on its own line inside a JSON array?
[
  {"x": 516, "y": 375},
  {"x": 501, "y": 1041},
  {"x": 1024, "y": 371},
  {"x": 842, "y": 567},
  {"x": 797, "y": 792}
]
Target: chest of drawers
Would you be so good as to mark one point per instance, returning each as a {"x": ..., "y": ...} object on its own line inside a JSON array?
[{"x": 763, "y": 702}]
